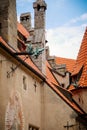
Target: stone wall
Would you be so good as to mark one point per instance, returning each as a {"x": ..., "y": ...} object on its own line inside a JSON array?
[{"x": 8, "y": 22}]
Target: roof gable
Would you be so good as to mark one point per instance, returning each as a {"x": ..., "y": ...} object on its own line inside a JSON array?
[{"x": 82, "y": 55}]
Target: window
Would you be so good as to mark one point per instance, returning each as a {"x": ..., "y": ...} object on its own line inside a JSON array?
[
  {"x": 24, "y": 83},
  {"x": 32, "y": 127}
]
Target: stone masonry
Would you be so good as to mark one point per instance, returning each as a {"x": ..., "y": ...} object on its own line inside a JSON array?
[
  {"x": 25, "y": 20},
  {"x": 8, "y": 22}
]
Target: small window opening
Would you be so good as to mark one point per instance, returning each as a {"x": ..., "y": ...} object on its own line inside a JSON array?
[{"x": 24, "y": 83}]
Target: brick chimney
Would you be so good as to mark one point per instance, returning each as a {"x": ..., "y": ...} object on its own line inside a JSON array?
[{"x": 8, "y": 22}]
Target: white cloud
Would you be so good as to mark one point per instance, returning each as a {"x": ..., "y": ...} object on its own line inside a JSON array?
[
  {"x": 65, "y": 41},
  {"x": 81, "y": 18}
]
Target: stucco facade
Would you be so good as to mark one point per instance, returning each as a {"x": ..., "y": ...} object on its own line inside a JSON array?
[{"x": 39, "y": 106}]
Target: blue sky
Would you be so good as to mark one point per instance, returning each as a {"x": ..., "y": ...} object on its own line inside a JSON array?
[{"x": 66, "y": 21}]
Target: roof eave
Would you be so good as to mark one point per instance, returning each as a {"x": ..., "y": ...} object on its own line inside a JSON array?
[{"x": 22, "y": 62}]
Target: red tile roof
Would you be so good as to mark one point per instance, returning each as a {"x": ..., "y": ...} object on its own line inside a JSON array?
[
  {"x": 50, "y": 77},
  {"x": 28, "y": 60},
  {"x": 81, "y": 62},
  {"x": 69, "y": 62},
  {"x": 71, "y": 87},
  {"x": 82, "y": 55},
  {"x": 83, "y": 80},
  {"x": 22, "y": 30}
]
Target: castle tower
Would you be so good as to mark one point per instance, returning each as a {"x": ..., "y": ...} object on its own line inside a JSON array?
[
  {"x": 39, "y": 33},
  {"x": 39, "y": 14},
  {"x": 8, "y": 22},
  {"x": 25, "y": 20}
]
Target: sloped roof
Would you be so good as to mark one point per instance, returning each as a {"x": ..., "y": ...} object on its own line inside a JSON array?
[
  {"x": 51, "y": 81},
  {"x": 22, "y": 30},
  {"x": 81, "y": 62},
  {"x": 68, "y": 62},
  {"x": 83, "y": 80},
  {"x": 82, "y": 55},
  {"x": 50, "y": 77}
]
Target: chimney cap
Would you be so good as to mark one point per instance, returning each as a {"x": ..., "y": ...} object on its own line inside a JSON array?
[{"x": 25, "y": 14}]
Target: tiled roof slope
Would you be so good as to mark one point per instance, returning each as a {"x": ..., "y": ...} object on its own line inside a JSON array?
[
  {"x": 51, "y": 81},
  {"x": 22, "y": 30},
  {"x": 83, "y": 79},
  {"x": 50, "y": 77},
  {"x": 68, "y": 62},
  {"x": 82, "y": 55},
  {"x": 28, "y": 61}
]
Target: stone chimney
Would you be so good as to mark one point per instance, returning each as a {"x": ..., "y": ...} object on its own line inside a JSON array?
[
  {"x": 8, "y": 22},
  {"x": 39, "y": 14},
  {"x": 39, "y": 39},
  {"x": 25, "y": 20}
]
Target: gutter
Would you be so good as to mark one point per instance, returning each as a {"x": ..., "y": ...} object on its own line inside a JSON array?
[{"x": 22, "y": 62}]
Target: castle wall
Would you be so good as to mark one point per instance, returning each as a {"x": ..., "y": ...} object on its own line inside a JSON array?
[
  {"x": 18, "y": 95},
  {"x": 57, "y": 113},
  {"x": 80, "y": 97}
]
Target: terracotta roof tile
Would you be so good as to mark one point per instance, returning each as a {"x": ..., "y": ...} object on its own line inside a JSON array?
[
  {"x": 83, "y": 80},
  {"x": 22, "y": 30},
  {"x": 69, "y": 62},
  {"x": 6, "y": 45},
  {"x": 50, "y": 76},
  {"x": 28, "y": 60},
  {"x": 71, "y": 88},
  {"x": 82, "y": 55}
]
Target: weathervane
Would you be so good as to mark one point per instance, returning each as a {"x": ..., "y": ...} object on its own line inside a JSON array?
[{"x": 31, "y": 51}]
